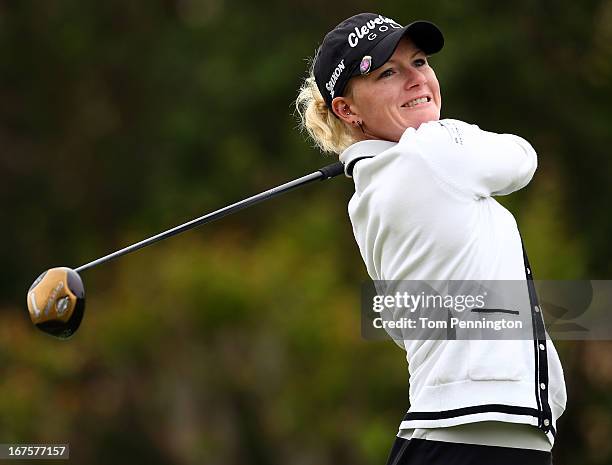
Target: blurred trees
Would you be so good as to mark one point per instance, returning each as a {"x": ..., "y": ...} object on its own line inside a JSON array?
[{"x": 239, "y": 342}]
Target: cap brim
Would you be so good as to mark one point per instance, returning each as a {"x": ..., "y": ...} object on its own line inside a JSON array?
[{"x": 425, "y": 35}]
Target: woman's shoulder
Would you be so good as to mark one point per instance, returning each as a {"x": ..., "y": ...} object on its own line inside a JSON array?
[
  {"x": 453, "y": 127},
  {"x": 441, "y": 137}
]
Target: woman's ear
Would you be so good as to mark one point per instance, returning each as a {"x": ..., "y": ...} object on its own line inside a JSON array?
[{"x": 344, "y": 109}]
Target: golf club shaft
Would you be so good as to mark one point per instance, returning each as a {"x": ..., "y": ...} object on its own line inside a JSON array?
[{"x": 322, "y": 174}]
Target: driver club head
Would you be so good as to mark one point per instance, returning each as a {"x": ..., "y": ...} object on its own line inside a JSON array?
[{"x": 56, "y": 302}]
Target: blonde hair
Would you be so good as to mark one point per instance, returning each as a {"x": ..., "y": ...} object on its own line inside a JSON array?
[{"x": 327, "y": 131}]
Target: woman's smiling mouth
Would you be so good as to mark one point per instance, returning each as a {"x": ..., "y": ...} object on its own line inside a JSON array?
[{"x": 417, "y": 101}]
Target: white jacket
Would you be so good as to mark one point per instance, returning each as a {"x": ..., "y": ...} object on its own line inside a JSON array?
[{"x": 423, "y": 209}]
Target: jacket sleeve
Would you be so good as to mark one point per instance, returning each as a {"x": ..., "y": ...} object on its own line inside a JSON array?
[{"x": 477, "y": 162}]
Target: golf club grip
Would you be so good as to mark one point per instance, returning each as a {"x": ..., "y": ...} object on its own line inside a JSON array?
[
  {"x": 332, "y": 170},
  {"x": 324, "y": 173}
]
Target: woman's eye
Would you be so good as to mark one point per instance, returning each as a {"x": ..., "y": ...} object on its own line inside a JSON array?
[
  {"x": 420, "y": 62},
  {"x": 386, "y": 73}
]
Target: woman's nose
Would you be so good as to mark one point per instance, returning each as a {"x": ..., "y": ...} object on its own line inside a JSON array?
[{"x": 415, "y": 77}]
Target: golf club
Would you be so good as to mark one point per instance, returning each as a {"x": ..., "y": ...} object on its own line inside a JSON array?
[{"x": 56, "y": 299}]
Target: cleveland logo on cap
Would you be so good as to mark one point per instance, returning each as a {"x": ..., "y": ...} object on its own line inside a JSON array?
[{"x": 368, "y": 27}]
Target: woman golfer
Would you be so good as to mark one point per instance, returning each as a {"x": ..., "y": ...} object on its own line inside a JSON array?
[{"x": 423, "y": 209}]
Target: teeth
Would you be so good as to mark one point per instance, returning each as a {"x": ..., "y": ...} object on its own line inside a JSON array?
[{"x": 416, "y": 101}]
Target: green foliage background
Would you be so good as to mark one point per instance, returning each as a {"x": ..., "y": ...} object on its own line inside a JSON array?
[{"x": 240, "y": 342}]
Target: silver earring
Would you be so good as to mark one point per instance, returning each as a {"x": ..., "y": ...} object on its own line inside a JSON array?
[{"x": 360, "y": 124}]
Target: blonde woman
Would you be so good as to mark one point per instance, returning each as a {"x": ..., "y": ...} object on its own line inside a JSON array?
[{"x": 423, "y": 209}]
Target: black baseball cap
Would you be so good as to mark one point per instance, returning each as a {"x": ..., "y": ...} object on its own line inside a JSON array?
[{"x": 363, "y": 43}]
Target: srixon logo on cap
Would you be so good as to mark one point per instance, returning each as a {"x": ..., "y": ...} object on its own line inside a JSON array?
[
  {"x": 334, "y": 77},
  {"x": 381, "y": 23}
]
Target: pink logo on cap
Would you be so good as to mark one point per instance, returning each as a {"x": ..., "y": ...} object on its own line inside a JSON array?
[{"x": 365, "y": 65}]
